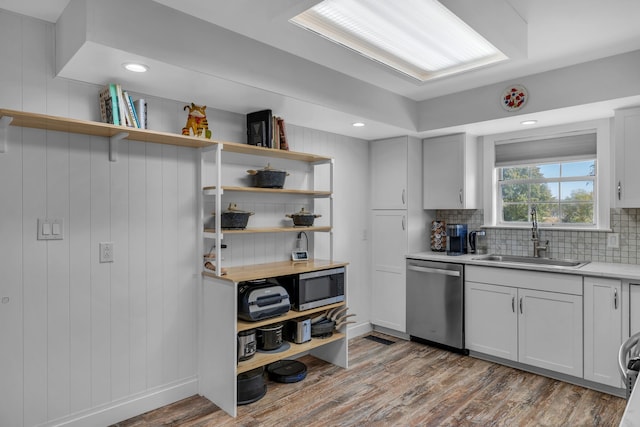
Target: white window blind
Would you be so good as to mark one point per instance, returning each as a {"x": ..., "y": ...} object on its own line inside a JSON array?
[{"x": 570, "y": 147}]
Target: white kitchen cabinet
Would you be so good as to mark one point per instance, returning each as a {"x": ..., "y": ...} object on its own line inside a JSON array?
[
  {"x": 398, "y": 225},
  {"x": 602, "y": 330},
  {"x": 389, "y": 243},
  {"x": 390, "y": 174},
  {"x": 541, "y": 312},
  {"x": 491, "y": 325},
  {"x": 627, "y": 153},
  {"x": 550, "y": 331},
  {"x": 451, "y": 178}
]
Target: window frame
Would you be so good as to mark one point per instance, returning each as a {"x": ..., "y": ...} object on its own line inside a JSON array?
[
  {"x": 593, "y": 178},
  {"x": 602, "y": 189}
]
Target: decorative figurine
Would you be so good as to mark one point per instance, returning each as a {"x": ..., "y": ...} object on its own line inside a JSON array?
[{"x": 197, "y": 124}]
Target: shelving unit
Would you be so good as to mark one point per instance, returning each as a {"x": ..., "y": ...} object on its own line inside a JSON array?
[{"x": 218, "y": 320}]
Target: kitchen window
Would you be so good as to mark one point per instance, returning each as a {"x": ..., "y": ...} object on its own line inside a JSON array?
[
  {"x": 563, "y": 193},
  {"x": 562, "y": 171}
]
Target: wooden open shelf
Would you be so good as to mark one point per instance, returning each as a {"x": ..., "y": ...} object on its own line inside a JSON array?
[
  {"x": 211, "y": 234},
  {"x": 210, "y": 191},
  {"x": 87, "y": 127},
  {"x": 273, "y": 269},
  {"x": 245, "y": 326},
  {"x": 262, "y": 359}
]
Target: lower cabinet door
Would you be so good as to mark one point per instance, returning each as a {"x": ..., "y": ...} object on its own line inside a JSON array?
[
  {"x": 389, "y": 289},
  {"x": 602, "y": 330},
  {"x": 491, "y": 321},
  {"x": 550, "y": 331}
]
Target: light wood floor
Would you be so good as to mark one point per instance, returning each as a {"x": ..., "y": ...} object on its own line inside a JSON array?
[{"x": 404, "y": 384}]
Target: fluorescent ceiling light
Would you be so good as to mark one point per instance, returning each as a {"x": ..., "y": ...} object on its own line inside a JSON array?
[
  {"x": 528, "y": 122},
  {"x": 420, "y": 38},
  {"x": 357, "y": 124}
]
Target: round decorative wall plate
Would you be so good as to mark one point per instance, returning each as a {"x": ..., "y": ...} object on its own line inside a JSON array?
[{"x": 514, "y": 97}]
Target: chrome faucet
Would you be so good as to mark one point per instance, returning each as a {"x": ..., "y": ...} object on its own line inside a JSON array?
[{"x": 535, "y": 236}]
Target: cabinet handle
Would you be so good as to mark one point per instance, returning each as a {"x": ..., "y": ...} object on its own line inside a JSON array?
[
  {"x": 615, "y": 299},
  {"x": 513, "y": 304},
  {"x": 460, "y": 196},
  {"x": 520, "y": 305},
  {"x": 403, "y": 195},
  {"x": 619, "y": 190},
  {"x": 404, "y": 221}
]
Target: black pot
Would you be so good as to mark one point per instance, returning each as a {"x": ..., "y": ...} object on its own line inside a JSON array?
[
  {"x": 268, "y": 177},
  {"x": 234, "y": 218},
  {"x": 269, "y": 337},
  {"x": 303, "y": 218}
]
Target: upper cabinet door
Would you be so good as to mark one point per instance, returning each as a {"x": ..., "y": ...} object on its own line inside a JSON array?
[
  {"x": 389, "y": 163},
  {"x": 450, "y": 172},
  {"x": 627, "y": 153}
]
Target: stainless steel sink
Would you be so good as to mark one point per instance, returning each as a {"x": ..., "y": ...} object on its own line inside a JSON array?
[{"x": 532, "y": 260}]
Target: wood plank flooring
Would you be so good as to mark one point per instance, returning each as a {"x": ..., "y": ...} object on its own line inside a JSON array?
[{"x": 404, "y": 384}]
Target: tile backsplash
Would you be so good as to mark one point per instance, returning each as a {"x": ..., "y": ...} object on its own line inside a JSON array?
[{"x": 583, "y": 245}]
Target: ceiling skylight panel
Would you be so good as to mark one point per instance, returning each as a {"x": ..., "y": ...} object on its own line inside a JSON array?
[{"x": 420, "y": 38}]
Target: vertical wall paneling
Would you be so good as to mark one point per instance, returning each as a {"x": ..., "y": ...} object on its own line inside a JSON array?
[
  {"x": 137, "y": 267},
  {"x": 155, "y": 303},
  {"x": 11, "y": 71},
  {"x": 34, "y": 252},
  {"x": 11, "y": 289},
  {"x": 188, "y": 260},
  {"x": 169, "y": 232},
  {"x": 120, "y": 287},
  {"x": 78, "y": 231},
  {"x": 100, "y": 273},
  {"x": 34, "y": 65},
  {"x": 57, "y": 188}
]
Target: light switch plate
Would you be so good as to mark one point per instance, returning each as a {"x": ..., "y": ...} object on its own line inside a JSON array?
[{"x": 50, "y": 229}]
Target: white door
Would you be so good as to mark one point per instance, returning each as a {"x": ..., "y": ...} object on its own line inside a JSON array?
[
  {"x": 491, "y": 321},
  {"x": 389, "y": 173},
  {"x": 602, "y": 330},
  {"x": 389, "y": 242},
  {"x": 550, "y": 331}
]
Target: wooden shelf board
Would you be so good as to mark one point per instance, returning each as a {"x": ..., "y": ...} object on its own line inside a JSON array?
[
  {"x": 262, "y": 359},
  {"x": 235, "y": 147},
  {"x": 211, "y": 191},
  {"x": 64, "y": 124},
  {"x": 270, "y": 230},
  {"x": 273, "y": 269},
  {"x": 245, "y": 326}
]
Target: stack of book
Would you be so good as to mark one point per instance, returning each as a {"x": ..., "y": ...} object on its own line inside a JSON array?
[
  {"x": 117, "y": 107},
  {"x": 266, "y": 130}
]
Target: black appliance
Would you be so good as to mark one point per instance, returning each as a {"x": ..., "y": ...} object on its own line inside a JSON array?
[
  {"x": 261, "y": 300},
  {"x": 456, "y": 239},
  {"x": 315, "y": 289},
  {"x": 246, "y": 344}
]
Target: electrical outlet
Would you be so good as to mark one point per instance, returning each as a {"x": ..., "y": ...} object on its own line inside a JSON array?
[
  {"x": 613, "y": 240},
  {"x": 106, "y": 252}
]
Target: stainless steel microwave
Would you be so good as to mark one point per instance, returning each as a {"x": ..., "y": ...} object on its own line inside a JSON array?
[{"x": 315, "y": 288}]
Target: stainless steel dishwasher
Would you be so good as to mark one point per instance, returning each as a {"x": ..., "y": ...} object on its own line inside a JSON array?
[{"x": 435, "y": 302}]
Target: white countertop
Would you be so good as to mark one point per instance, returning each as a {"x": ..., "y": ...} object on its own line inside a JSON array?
[{"x": 629, "y": 272}]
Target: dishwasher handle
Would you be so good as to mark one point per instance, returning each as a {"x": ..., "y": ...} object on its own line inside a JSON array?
[{"x": 433, "y": 270}]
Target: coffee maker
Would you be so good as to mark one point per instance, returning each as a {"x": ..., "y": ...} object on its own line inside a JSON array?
[{"x": 456, "y": 239}]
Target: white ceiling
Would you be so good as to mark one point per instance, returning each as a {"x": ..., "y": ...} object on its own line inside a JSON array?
[{"x": 560, "y": 33}]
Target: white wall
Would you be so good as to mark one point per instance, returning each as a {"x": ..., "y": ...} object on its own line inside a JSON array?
[{"x": 106, "y": 341}]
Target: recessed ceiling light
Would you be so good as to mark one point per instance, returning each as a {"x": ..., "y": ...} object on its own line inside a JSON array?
[
  {"x": 420, "y": 38},
  {"x": 136, "y": 67},
  {"x": 358, "y": 124},
  {"x": 528, "y": 122}
]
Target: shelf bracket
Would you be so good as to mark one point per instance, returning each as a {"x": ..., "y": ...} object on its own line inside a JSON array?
[
  {"x": 113, "y": 145},
  {"x": 5, "y": 121}
]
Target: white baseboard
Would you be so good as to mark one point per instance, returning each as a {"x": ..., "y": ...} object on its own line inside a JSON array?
[
  {"x": 121, "y": 410},
  {"x": 358, "y": 330}
]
